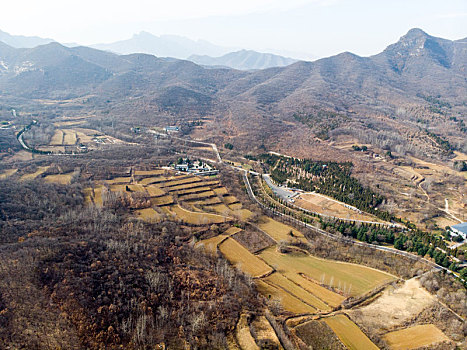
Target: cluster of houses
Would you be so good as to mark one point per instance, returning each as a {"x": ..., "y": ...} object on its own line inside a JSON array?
[
  {"x": 459, "y": 230},
  {"x": 197, "y": 167}
]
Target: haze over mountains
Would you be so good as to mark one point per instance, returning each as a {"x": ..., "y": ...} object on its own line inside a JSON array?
[{"x": 243, "y": 60}]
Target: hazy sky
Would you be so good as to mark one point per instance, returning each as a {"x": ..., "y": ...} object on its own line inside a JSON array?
[{"x": 295, "y": 27}]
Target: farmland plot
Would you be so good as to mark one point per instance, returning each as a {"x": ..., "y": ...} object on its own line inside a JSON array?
[
  {"x": 240, "y": 256},
  {"x": 415, "y": 337},
  {"x": 349, "y": 333}
]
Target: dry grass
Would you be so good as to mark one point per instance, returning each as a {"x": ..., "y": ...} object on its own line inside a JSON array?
[
  {"x": 243, "y": 214},
  {"x": 70, "y": 137},
  {"x": 329, "y": 297},
  {"x": 7, "y": 173},
  {"x": 164, "y": 200},
  {"x": 63, "y": 179},
  {"x": 265, "y": 332},
  {"x": 69, "y": 123},
  {"x": 212, "y": 243},
  {"x": 241, "y": 257},
  {"x": 220, "y": 208},
  {"x": 151, "y": 180},
  {"x": 149, "y": 215},
  {"x": 232, "y": 230},
  {"x": 119, "y": 180},
  {"x": 136, "y": 188},
  {"x": 221, "y": 191},
  {"x": 200, "y": 195},
  {"x": 40, "y": 170},
  {"x": 57, "y": 138},
  {"x": 193, "y": 218},
  {"x": 180, "y": 180},
  {"x": 415, "y": 337},
  {"x": 208, "y": 201},
  {"x": 394, "y": 306},
  {"x": 189, "y": 190},
  {"x": 230, "y": 199},
  {"x": 244, "y": 337},
  {"x": 288, "y": 302},
  {"x": 279, "y": 281},
  {"x": 349, "y": 333},
  {"x": 359, "y": 279},
  {"x": 154, "y": 191},
  {"x": 87, "y": 195},
  {"x": 326, "y": 206},
  {"x": 277, "y": 230},
  {"x": 235, "y": 206},
  {"x": 149, "y": 172}
]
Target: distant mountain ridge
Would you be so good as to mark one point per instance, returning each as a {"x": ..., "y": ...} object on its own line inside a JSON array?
[
  {"x": 243, "y": 60},
  {"x": 163, "y": 46},
  {"x": 21, "y": 41}
]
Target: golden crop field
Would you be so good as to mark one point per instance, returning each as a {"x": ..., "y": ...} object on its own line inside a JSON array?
[
  {"x": 229, "y": 199},
  {"x": 189, "y": 190},
  {"x": 180, "y": 180},
  {"x": 220, "y": 208},
  {"x": 119, "y": 180},
  {"x": 7, "y": 173},
  {"x": 163, "y": 200},
  {"x": 243, "y": 214},
  {"x": 288, "y": 302},
  {"x": 277, "y": 230},
  {"x": 149, "y": 172},
  {"x": 63, "y": 179},
  {"x": 208, "y": 201},
  {"x": 57, "y": 138},
  {"x": 349, "y": 333},
  {"x": 193, "y": 218},
  {"x": 232, "y": 230},
  {"x": 70, "y": 137},
  {"x": 240, "y": 256},
  {"x": 151, "y": 180},
  {"x": 40, "y": 170},
  {"x": 235, "y": 206},
  {"x": 355, "y": 279},
  {"x": 154, "y": 191},
  {"x": 221, "y": 191},
  {"x": 326, "y": 295},
  {"x": 211, "y": 243},
  {"x": 415, "y": 337},
  {"x": 201, "y": 195},
  {"x": 279, "y": 281},
  {"x": 149, "y": 215}
]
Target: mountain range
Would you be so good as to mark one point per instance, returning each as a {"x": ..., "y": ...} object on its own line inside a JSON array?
[
  {"x": 345, "y": 87},
  {"x": 243, "y": 60}
]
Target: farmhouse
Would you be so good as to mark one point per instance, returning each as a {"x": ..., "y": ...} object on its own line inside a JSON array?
[
  {"x": 460, "y": 230},
  {"x": 197, "y": 167},
  {"x": 171, "y": 129}
]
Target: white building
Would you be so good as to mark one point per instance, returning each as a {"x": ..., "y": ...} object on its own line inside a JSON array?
[{"x": 460, "y": 230}]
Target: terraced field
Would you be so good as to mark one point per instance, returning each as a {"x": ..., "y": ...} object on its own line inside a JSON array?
[
  {"x": 63, "y": 179},
  {"x": 40, "y": 170}
]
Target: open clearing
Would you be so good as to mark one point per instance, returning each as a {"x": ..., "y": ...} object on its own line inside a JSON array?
[
  {"x": 148, "y": 214},
  {"x": 327, "y": 206},
  {"x": 212, "y": 243},
  {"x": 394, "y": 306},
  {"x": 359, "y": 279},
  {"x": 349, "y": 333},
  {"x": 70, "y": 137},
  {"x": 63, "y": 179},
  {"x": 415, "y": 337},
  {"x": 57, "y": 138},
  {"x": 241, "y": 257},
  {"x": 7, "y": 173},
  {"x": 40, "y": 170}
]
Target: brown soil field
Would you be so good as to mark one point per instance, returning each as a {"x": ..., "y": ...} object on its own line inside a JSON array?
[
  {"x": 394, "y": 306},
  {"x": 70, "y": 137},
  {"x": 57, "y": 138},
  {"x": 324, "y": 205},
  {"x": 415, "y": 337}
]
